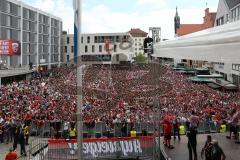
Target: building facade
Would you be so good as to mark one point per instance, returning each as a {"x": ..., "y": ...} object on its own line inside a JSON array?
[
  {"x": 114, "y": 47},
  {"x": 228, "y": 11},
  {"x": 138, "y": 37},
  {"x": 39, "y": 34}
]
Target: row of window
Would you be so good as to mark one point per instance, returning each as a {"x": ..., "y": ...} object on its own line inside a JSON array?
[
  {"x": 100, "y": 48},
  {"x": 236, "y": 67},
  {"x": 9, "y": 7},
  {"x": 103, "y": 39},
  {"x": 235, "y": 13},
  {"x": 233, "y": 16}
]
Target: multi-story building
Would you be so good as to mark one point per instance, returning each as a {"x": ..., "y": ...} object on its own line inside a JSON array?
[
  {"x": 138, "y": 37},
  {"x": 114, "y": 47},
  {"x": 228, "y": 11},
  {"x": 38, "y": 33}
]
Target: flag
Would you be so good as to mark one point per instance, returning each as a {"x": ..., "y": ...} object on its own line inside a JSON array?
[{"x": 76, "y": 5}]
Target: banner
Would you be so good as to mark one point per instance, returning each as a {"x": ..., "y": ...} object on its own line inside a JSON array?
[
  {"x": 10, "y": 47},
  {"x": 101, "y": 148}
]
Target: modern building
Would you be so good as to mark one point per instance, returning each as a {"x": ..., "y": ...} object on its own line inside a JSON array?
[
  {"x": 184, "y": 29},
  {"x": 105, "y": 47},
  {"x": 228, "y": 11},
  {"x": 218, "y": 45},
  {"x": 38, "y": 34}
]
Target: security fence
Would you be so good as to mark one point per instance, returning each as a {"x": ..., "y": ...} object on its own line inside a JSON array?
[{"x": 101, "y": 129}]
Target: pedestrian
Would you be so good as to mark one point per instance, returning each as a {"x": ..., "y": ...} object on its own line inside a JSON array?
[
  {"x": 26, "y": 133},
  {"x": 167, "y": 129},
  {"x": 11, "y": 155},
  {"x": 216, "y": 151},
  {"x": 176, "y": 129},
  {"x": 16, "y": 137},
  {"x": 192, "y": 143},
  {"x": 1, "y": 133},
  {"x": 72, "y": 132},
  {"x": 22, "y": 141},
  {"x": 207, "y": 148}
]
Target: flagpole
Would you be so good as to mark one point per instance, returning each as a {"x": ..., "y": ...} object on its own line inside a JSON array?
[{"x": 79, "y": 82}]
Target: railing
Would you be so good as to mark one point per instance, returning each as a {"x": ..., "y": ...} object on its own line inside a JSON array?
[
  {"x": 100, "y": 129},
  {"x": 39, "y": 147}
]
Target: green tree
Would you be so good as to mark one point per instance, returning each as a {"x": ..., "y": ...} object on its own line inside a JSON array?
[{"x": 140, "y": 58}]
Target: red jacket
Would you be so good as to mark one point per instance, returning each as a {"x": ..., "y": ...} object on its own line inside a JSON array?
[{"x": 11, "y": 156}]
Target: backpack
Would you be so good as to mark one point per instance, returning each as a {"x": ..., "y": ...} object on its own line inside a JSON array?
[{"x": 216, "y": 152}]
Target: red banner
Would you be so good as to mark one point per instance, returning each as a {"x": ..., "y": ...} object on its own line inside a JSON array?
[
  {"x": 10, "y": 47},
  {"x": 101, "y": 147}
]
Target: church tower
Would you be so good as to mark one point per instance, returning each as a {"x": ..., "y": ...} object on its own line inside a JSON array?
[{"x": 176, "y": 21}]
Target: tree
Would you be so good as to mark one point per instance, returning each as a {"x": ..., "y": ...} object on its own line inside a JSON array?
[{"x": 140, "y": 58}]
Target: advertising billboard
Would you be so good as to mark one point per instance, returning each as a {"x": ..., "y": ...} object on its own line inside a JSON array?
[
  {"x": 10, "y": 47},
  {"x": 97, "y": 148}
]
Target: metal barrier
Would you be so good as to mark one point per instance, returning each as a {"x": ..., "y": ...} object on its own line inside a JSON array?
[{"x": 100, "y": 129}]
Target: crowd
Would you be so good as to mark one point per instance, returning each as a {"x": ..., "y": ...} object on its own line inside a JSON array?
[{"x": 111, "y": 95}]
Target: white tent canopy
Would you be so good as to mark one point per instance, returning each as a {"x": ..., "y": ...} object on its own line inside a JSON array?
[{"x": 218, "y": 44}]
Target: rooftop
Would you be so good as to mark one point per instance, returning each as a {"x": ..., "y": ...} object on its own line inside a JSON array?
[{"x": 137, "y": 32}]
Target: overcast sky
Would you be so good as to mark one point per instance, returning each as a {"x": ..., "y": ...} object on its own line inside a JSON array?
[{"x": 122, "y": 15}]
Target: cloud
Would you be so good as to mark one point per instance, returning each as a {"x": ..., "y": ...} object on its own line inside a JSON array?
[
  {"x": 152, "y": 3},
  {"x": 101, "y": 18}
]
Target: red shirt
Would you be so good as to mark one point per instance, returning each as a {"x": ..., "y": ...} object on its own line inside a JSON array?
[
  {"x": 167, "y": 128},
  {"x": 11, "y": 156}
]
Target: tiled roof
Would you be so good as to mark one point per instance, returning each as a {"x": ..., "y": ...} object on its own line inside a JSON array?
[
  {"x": 189, "y": 28},
  {"x": 137, "y": 32},
  {"x": 232, "y": 3}
]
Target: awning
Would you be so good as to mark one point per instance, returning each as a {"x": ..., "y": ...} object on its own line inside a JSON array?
[{"x": 218, "y": 44}]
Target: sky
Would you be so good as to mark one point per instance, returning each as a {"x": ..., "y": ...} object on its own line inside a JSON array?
[{"x": 103, "y": 16}]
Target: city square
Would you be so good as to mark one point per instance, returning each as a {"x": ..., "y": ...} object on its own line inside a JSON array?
[{"x": 68, "y": 91}]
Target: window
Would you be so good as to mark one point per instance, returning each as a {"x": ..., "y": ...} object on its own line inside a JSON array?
[
  {"x": 115, "y": 48},
  {"x": 100, "y": 48},
  {"x": 93, "y": 48},
  {"x": 67, "y": 40},
  {"x": 86, "y": 49},
  {"x": 66, "y": 49},
  {"x": 117, "y": 58},
  {"x": 88, "y": 39},
  {"x": 95, "y": 39},
  {"x": 67, "y": 58},
  {"x": 81, "y": 39},
  {"x": 72, "y": 49}
]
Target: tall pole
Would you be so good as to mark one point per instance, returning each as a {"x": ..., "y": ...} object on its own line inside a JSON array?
[{"x": 79, "y": 84}]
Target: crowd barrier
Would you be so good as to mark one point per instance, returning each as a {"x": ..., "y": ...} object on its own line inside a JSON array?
[{"x": 100, "y": 129}]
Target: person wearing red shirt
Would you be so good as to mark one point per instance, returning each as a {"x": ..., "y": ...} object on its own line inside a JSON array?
[
  {"x": 167, "y": 128},
  {"x": 12, "y": 155}
]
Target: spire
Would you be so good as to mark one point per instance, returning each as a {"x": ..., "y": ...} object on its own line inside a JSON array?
[
  {"x": 176, "y": 20},
  {"x": 176, "y": 12}
]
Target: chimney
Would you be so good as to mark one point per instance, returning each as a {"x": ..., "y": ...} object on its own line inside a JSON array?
[{"x": 206, "y": 11}]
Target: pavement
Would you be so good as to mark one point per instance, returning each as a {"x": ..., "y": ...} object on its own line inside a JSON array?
[{"x": 180, "y": 152}]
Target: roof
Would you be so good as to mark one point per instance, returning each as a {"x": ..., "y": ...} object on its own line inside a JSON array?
[
  {"x": 232, "y": 3},
  {"x": 137, "y": 32},
  {"x": 189, "y": 28}
]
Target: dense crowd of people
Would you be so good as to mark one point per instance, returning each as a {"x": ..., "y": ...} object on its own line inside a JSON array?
[{"x": 111, "y": 95}]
